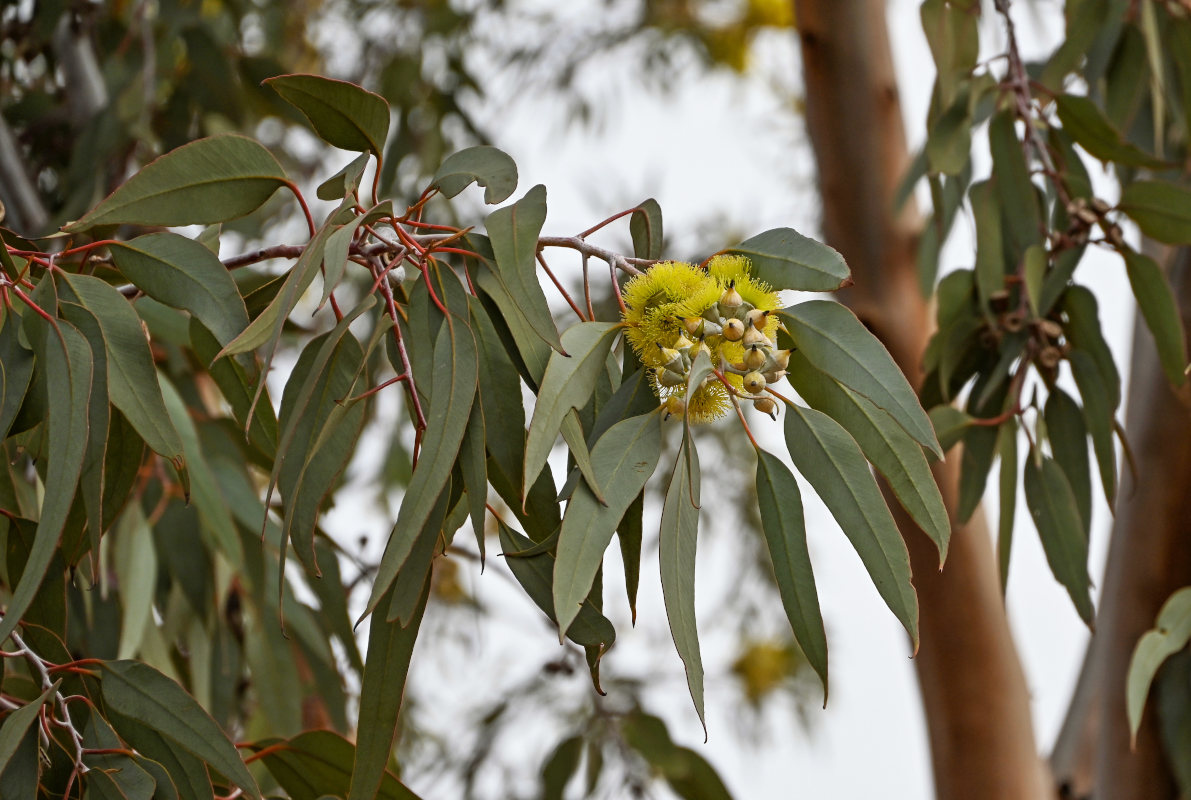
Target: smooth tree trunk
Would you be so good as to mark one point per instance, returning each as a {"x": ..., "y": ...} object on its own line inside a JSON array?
[{"x": 973, "y": 689}]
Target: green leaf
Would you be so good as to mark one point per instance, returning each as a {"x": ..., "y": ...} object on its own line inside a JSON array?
[
  {"x": 513, "y": 232},
  {"x": 623, "y": 459},
  {"x": 832, "y": 462},
  {"x": 1162, "y": 210},
  {"x": 1052, "y": 505},
  {"x": 141, "y": 693},
  {"x": 210, "y": 180},
  {"x": 522, "y": 346},
  {"x": 1017, "y": 195},
  {"x": 344, "y": 182},
  {"x": 1091, "y": 129},
  {"x": 950, "y": 424},
  {"x": 473, "y": 467},
  {"x": 183, "y": 274},
  {"x": 572, "y": 434},
  {"x": 66, "y": 358},
  {"x": 884, "y": 443},
  {"x": 390, "y": 647},
  {"x": 1068, "y": 435},
  {"x": 342, "y": 114},
  {"x": 16, "y": 369},
  {"x": 535, "y": 573},
  {"x": 233, "y": 383},
  {"x": 1007, "y": 485},
  {"x": 452, "y": 391},
  {"x": 785, "y": 259},
  {"x": 1098, "y": 416},
  {"x": 952, "y": 33},
  {"x": 485, "y": 165},
  {"x": 949, "y": 143},
  {"x": 560, "y": 767},
  {"x": 784, "y": 527},
  {"x": 318, "y": 763},
  {"x": 1160, "y": 311},
  {"x": 132, "y": 376},
  {"x": 1084, "y": 331},
  {"x": 1170, "y": 634},
  {"x": 1034, "y": 269},
  {"x": 676, "y": 553},
  {"x": 12, "y": 732},
  {"x": 990, "y": 253},
  {"x": 835, "y": 342},
  {"x": 645, "y": 226},
  {"x": 568, "y": 383}
]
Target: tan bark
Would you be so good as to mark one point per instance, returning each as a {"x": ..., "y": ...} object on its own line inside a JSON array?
[
  {"x": 973, "y": 689},
  {"x": 1148, "y": 559}
]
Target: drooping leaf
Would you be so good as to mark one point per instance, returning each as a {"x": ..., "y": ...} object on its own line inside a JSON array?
[
  {"x": 1052, "y": 505},
  {"x": 451, "y": 394},
  {"x": 319, "y": 763},
  {"x": 1016, "y": 192},
  {"x": 645, "y": 226},
  {"x": 560, "y": 767},
  {"x": 65, "y": 356},
  {"x": 884, "y": 443},
  {"x": 233, "y": 382},
  {"x": 1098, "y": 416},
  {"x": 1007, "y": 486},
  {"x": 990, "y": 253},
  {"x": 572, "y": 434},
  {"x": 513, "y": 232},
  {"x": 1162, "y": 210},
  {"x": 949, "y": 142},
  {"x": 1170, "y": 634},
  {"x": 210, "y": 180},
  {"x": 183, "y": 274},
  {"x": 785, "y": 259},
  {"x": 1161, "y": 313},
  {"x": 1068, "y": 435},
  {"x": 390, "y": 647},
  {"x": 485, "y": 165},
  {"x": 567, "y": 384},
  {"x": 143, "y": 694},
  {"x": 342, "y": 114},
  {"x": 623, "y": 459},
  {"x": 524, "y": 347},
  {"x": 836, "y": 342},
  {"x": 1091, "y": 129},
  {"x": 1085, "y": 332},
  {"x": 16, "y": 369},
  {"x": 12, "y": 732},
  {"x": 784, "y": 528},
  {"x": 676, "y": 553},
  {"x": 832, "y": 462}
]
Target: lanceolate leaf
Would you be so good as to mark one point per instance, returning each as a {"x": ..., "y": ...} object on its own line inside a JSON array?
[
  {"x": 452, "y": 391},
  {"x": 536, "y": 575},
  {"x": 990, "y": 253},
  {"x": 1068, "y": 434},
  {"x": 567, "y": 384},
  {"x": 784, "y": 528},
  {"x": 890, "y": 449},
  {"x": 210, "y": 180},
  {"x": 188, "y": 773},
  {"x": 1170, "y": 634},
  {"x": 513, "y": 231},
  {"x": 623, "y": 459},
  {"x": 1098, "y": 416},
  {"x": 390, "y": 647},
  {"x": 183, "y": 274},
  {"x": 1015, "y": 191},
  {"x": 318, "y": 763},
  {"x": 342, "y": 114},
  {"x": 835, "y": 342},
  {"x": 132, "y": 377},
  {"x": 485, "y": 165},
  {"x": 16, "y": 368},
  {"x": 785, "y": 259},
  {"x": 1052, "y": 505},
  {"x": 676, "y": 553},
  {"x": 17, "y": 723},
  {"x": 1161, "y": 313},
  {"x": 1084, "y": 331},
  {"x": 1007, "y": 486},
  {"x": 138, "y": 691},
  {"x": 832, "y": 462},
  {"x": 66, "y": 358},
  {"x": 1162, "y": 210},
  {"x": 1087, "y": 124}
]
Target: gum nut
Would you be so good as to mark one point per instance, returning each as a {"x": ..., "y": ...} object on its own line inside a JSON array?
[
  {"x": 754, "y": 382},
  {"x": 683, "y": 343},
  {"x": 757, "y": 318},
  {"x": 753, "y": 336},
  {"x": 755, "y": 358},
  {"x": 781, "y": 358},
  {"x": 693, "y": 325},
  {"x": 733, "y": 330},
  {"x": 697, "y": 348},
  {"x": 731, "y": 298},
  {"x": 675, "y": 407},
  {"x": 766, "y": 406},
  {"x": 668, "y": 377},
  {"x": 670, "y": 356}
]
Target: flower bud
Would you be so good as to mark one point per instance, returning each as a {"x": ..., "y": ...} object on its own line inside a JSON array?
[
  {"x": 733, "y": 330},
  {"x": 666, "y": 377},
  {"x": 752, "y": 336},
  {"x": 697, "y": 348},
  {"x": 754, "y": 382},
  {"x": 670, "y": 356},
  {"x": 766, "y": 406},
  {"x": 755, "y": 357},
  {"x": 730, "y": 300},
  {"x": 675, "y": 407},
  {"x": 781, "y": 358},
  {"x": 693, "y": 326},
  {"x": 682, "y": 343},
  {"x": 757, "y": 318}
]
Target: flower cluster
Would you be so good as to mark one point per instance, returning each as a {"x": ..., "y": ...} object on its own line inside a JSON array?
[{"x": 674, "y": 310}]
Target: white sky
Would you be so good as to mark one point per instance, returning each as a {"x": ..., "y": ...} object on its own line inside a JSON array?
[{"x": 715, "y": 149}]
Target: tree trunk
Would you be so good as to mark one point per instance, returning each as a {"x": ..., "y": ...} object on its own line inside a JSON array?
[
  {"x": 1148, "y": 560},
  {"x": 973, "y": 689}
]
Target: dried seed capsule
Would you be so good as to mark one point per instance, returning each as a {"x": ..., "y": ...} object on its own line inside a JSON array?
[
  {"x": 733, "y": 330},
  {"x": 757, "y": 318},
  {"x": 755, "y": 357},
  {"x": 754, "y": 382},
  {"x": 766, "y": 406},
  {"x": 753, "y": 336},
  {"x": 1052, "y": 329},
  {"x": 730, "y": 300},
  {"x": 1013, "y": 321}
]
